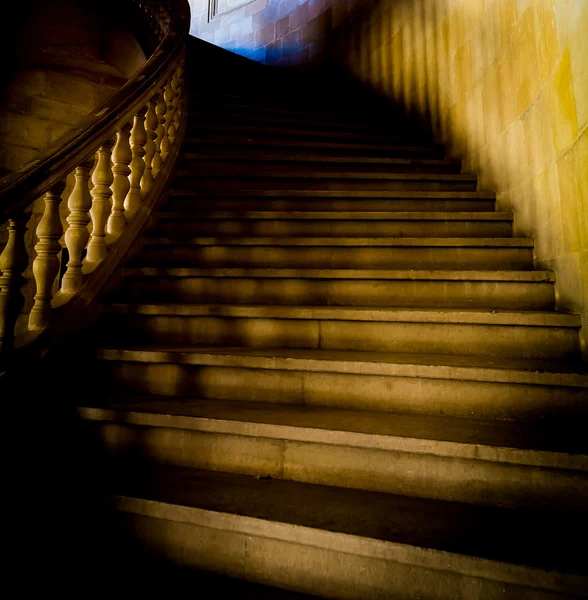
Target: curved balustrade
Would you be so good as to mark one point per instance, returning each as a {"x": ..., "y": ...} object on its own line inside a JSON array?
[{"x": 109, "y": 171}]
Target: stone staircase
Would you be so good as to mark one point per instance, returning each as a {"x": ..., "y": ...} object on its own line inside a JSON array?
[{"x": 332, "y": 368}]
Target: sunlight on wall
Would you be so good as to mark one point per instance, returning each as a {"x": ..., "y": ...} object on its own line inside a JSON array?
[{"x": 505, "y": 84}]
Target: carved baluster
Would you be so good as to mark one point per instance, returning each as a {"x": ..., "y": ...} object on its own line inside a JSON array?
[
  {"x": 121, "y": 159},
  {"x": 158, "y": 158},
  {"x": 13, "y": 261},
  {"x": 169, "y": 97},
  {"x": 181, "y": 73},
  {"x": 172, "y": 127},
  {"x": 138, "y": 141},
  {"x": 179, "y": 77},
  {"x": 102, "y": 179},
  {"x": 77, "y": 234},
  {"x": 46, "y": 264},
  {"x": 151, "y": 124}
]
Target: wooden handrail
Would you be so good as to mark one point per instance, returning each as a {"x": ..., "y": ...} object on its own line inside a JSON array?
[{"x": 127, "y": 147}]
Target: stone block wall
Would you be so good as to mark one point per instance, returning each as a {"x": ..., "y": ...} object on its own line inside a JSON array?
[
  {"x": 505, "y": 85},
  {"x": 276, "y": 32}
]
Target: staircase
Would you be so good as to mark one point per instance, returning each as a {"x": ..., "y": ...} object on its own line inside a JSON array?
[{"x": 332, "y": 369}]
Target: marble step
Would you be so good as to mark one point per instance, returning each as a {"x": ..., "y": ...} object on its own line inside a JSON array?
[
  {"x": 468, "y": 332},
  {"x": 292, "y": 162},
  {"x": 510, "y": 290},
  {"x": 385, "y": 452},
  {"x": 320, "y": 540},
  {"x": 460, "y": 386},
  {"x": 228, "y": 179},
  {"x": 321, "y": 200},
  {"x": 347, "y": 224},
  {"x": 350, "y": 148},
  {"x": 285, "y": 132}
]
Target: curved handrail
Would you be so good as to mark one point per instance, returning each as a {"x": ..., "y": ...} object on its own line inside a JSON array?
[
  {"x": 127, "y": 148},
  {"x": 24, "y": 186}
]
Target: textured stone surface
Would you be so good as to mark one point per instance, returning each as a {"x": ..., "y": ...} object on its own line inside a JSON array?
[{"x": 506, "y": 85}]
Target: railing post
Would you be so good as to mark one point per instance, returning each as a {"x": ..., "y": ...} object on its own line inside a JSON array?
[
  {"x": 172, "y": 108},
  {"x": 121, "y": 159},
  {"x": 179, "y": 77},
  {"x": 138, "y": 142},
  {"x": 151, "y": 124},
  {"x": 102, "y": 179},
  {"x": 77, "y": 234},
  {"x": 13, "y": 261},
  {"x": 46, "y": 263},
  {"x": 160, "y": 110}
]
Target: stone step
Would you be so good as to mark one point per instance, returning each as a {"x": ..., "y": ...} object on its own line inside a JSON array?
[
  {"x": 243, "y": 170},
  {"x": 345, "y": 148},
  {"x": 258, "y": 117},
  {"x": 232, "y": 103},
  {"x": 321, "y": 180},
  {"x": 301, "y": 200},
  {"x": 260, "y": 105},
  {"x": 356, "y": 215},
  {"x": 506, "y": 289},
  {"x": 244, "y": 112},
  {"x": 286, "y": 132},
  {"x": 460, "y": 386},
  {"x": 321, "y": 540},
  {"x": 293, "y": 161},
  {"x": 333, "y": 252},
  {"x": 383, "y": 452},
  {"x": 336, "y": 223},
  {"x": 510, "y": 290},
  {"x": 473, "y": 333}
]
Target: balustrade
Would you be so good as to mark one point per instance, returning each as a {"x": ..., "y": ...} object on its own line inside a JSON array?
[{"x": 110, "y": 185}]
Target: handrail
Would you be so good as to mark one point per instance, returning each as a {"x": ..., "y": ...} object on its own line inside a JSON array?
[
  {"x": 126, "y": 147},
  {"x": 29, "y": 183}
]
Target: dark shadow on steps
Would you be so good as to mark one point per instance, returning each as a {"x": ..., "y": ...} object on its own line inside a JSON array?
[{"x": 59, "y": 526}]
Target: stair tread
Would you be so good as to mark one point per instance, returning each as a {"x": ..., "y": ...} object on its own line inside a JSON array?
[
  {"x": 366, "y": 133},
  {"x": 537, "y": 538},
  {"x": 435, "y": 366},
  {"x": 227, "y": 116},
  {"x": 425, "y": 315},
  {"x": 335, "y": 194},
  {"x": 312, "y": 174},
  {"x": 374, "y": 215},
  {"x": 532, "y": 444},
  {"x": 322, "y": 158},
  {"x": 244, "y": 240},
  {"x": 269, "y": 141},
  {"x": 382, "y": 274}
]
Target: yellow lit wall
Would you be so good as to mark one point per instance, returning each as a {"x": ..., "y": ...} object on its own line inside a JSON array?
[{"x": 505, "y": 85}]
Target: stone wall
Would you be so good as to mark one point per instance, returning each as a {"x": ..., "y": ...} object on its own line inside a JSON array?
[
  {"x": 282, "y": 32},
  {"x": 66, "y": 57},
  {"x": 505, "y": 85}
]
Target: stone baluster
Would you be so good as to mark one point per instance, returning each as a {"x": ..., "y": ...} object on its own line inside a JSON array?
[
  {"x": 46, "y": 263},
  {"x": 160, "y": 111},
  {"x": 77, "y": 234},
  {"x": 13, "y": 261},
  {"x": 151, "y": 124},
  {"x": 102, "y": 179},
  {"x": 170, "y": 132},
  {"x": 138, "y": 142},
  {"x": 179, "y": 86},
  {"x": 121, "y": 159}
]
